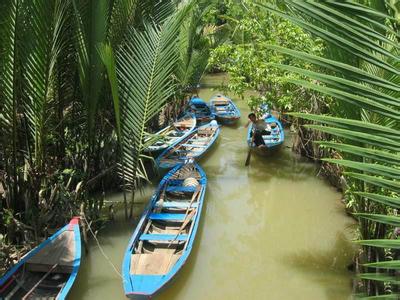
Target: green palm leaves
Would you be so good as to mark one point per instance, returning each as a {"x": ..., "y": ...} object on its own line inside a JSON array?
[
  {"x": 370, "y": 144},
  {"x": 141, "y": 75}
]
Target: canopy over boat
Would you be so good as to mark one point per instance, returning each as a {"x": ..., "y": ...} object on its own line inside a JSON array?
[
  {"x": 224, "y": 109},
  {"x": 164, "y": 236},
  {"x": 174, "y": 133},
  {"x": 47, "y": 271},
  {"x": 193, "y": 146}
]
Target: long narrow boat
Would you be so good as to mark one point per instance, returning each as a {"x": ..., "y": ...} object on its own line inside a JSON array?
[
  {"x": 273, "y": 141},
  {"x": 174, "y": 133},
  {"x": 201, "y": 110},
  {"x": 224, "y": 109},
  {"x": 164, "y": 236},
  {"x": 47, "y": 271},
  {"x": 193, "y": 146}
]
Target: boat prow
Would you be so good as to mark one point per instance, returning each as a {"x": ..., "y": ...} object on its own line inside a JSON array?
[{"x": 47, "y": 271}]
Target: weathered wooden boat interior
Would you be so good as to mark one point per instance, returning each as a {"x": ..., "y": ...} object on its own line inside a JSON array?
[
  {"x": 174, "y": 131},
  {"x": 166, "y": 231},
  {"x": 43, "y": 275},
  {"x": 192, "y": 145}
]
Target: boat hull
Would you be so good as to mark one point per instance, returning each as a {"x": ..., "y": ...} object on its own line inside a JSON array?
[
  {"x": 143, "y": 281},
  {"x": 224, "y": 109}
]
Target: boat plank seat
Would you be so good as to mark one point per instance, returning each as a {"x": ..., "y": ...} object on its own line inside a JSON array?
[
  {"x": 60, "y": 251},
  {"x": 168, "y": 217},
  {"x": 163, "y": 237},
  {"x": 177, "y": 204},
  {"x": 180, "y": 188},
  {"x": 153, "y": 263}
]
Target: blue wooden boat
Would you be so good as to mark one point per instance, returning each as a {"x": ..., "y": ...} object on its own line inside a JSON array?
[
  {"x": 164, "y": 236},
  {"x": 224, "y": 109},
  {"x": 272, "y": 141},
  {"x": 193, "y": 146},
  {"x": 47, "y": 271},
  {"x": 201, "y": 110},
  {"x": 173, "y": 133}
]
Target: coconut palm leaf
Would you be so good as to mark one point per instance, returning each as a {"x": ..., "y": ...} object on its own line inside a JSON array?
[
  {"x": 371, "y": 86},
  {"x": 10, "y": 30},
  {"x": 369, "y": 153},
  {"x": 46, "y": 20},
  {"x": 389, "y": 201},
  {"x": 141, "y": 79},
  {"x": 380, "y": 277}
]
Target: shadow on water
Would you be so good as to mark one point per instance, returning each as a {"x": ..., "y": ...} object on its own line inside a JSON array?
[{"x": 316, "y": 263}]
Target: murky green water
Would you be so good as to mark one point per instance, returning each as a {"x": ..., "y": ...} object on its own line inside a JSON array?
[{"x": 269, "y": 231}]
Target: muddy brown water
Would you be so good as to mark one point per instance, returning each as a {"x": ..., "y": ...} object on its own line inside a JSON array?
[{"x": 270, "y": 231}]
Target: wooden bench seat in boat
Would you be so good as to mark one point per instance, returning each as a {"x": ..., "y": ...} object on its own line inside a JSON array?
[
  {"x": 60, "y": 251},
  {"x": 177, "y": 204},
  {"x": 163, "y": 237},
  {"x": 168, "y": 217}
]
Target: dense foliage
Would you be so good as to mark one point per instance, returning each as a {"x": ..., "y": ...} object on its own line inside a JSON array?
[
  {"x": 80, "y": 83},
  {"x": 252, "y": 64}
]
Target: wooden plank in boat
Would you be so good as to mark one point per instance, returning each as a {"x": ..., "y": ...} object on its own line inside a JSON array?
[
  {"x": 163, "y": 237},
  {"x": 154, "y": 263}
]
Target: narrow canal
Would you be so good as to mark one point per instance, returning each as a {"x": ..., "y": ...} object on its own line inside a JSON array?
[{"x": 270, "y": 231}]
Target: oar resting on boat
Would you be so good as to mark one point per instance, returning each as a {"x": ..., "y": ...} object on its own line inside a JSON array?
[
  {"x": 47, "y": 271},
  {"x": 164, "y": 236}
]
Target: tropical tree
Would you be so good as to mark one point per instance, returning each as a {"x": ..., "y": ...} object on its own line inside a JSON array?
[{"x": 360, "y": 71}]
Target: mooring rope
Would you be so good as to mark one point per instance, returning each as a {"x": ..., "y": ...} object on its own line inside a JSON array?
[{"x": 101, "y": 249}]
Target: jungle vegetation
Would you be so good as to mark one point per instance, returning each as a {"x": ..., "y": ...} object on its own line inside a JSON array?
[{"x": 82, "y": 83}]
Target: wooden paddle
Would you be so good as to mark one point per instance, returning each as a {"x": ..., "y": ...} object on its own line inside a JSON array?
[
  {"x": 250, "y": 150},
  {"x": 188, "y": 216}
]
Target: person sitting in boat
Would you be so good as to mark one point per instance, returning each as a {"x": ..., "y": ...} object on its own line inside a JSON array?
[{"x": 260, "y": 128}]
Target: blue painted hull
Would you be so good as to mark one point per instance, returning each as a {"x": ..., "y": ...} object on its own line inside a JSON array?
[
  {"x": 224, "y": 109},
  {"x": 272, "y": 142},
  {"x": 171, "y": 157},
  {"x": 201, "y": 110},
  {"x": 141, "y": 283},
  {"x": 7, "y": 282}
]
